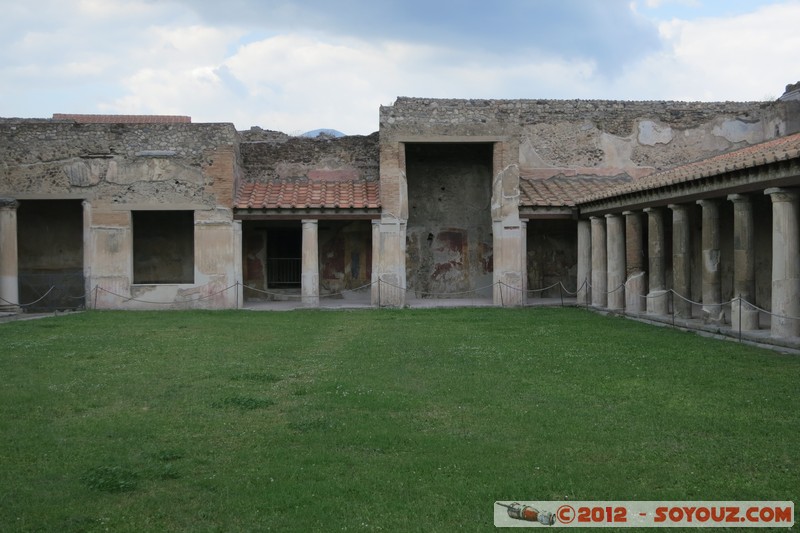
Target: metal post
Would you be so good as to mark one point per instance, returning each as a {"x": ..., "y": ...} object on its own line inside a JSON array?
[{"x": 740, "y": 317}]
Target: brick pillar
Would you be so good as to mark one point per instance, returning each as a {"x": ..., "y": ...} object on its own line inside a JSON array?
[
  {"x": 657, "y": 298},
  {"x": 584, "y": 261},
  {"x": 785, "y": 262},
  {"x": 636, "y": 280},
  {"x": 9, "y": 268},
  {"x": 615, "y": 254},
  {"x": 681, "y": 261},
  {"x": 599, "y": 259},
  {"x": 744, "y": 263},
  {"x": 712, "y": 274},
  {"x": 309, "y": 278}
]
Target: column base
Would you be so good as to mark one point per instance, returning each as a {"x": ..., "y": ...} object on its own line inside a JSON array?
[
  {"x": 658, "y": 303},
  {"x": 749, "y": 318},
  {"x": 713, "y": 314},
  {"x": 634, "y": 292},
  {"x": 310, "y": 290}
]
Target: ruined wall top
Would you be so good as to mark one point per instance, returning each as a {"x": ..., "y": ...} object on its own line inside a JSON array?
[
  {"x": 613, "y": 116},
  {"x": 28, "y": 141},
  {"x": 119, "y": 163},
  {"x": 295, "y": 158}
]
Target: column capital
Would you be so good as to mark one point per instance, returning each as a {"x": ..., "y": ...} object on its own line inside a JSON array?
[
  {"x": 631, "y": 213},
  {"x": 612, "y": 215},
  {"x": 736, "y": 198},
  {"x": 594, "y": 218},
  {"x": 8, "y": 203},
  {"x": 678, "y": 207},
  {"x": 649, "y": 210},
  {"x": 779, "y": 194},
  {"x": 309, "y": 221},
  {"x": 707, "y": 202}
]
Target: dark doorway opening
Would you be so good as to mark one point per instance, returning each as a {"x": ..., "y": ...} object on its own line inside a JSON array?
[
  {"x": 163, "y": 247},
  {"x": 272, "y": 254},
  {"x": 449, "y": 233},
  {"x": 50, "y": 254},
  {"x": 284, "y": 255}
]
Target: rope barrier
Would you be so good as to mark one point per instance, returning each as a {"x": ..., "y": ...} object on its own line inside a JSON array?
[
  {"x": 32, "y": 303},
  {"x": 585, "y": 285},
  {"x": 621, "y": 286},
  {"x": 174, "y": 302}
]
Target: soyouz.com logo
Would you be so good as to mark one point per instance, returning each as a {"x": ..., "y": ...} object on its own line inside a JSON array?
[{"x": 643, "y": 514}]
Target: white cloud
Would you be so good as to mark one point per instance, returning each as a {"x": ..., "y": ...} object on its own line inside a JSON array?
[
  {"x": 141, "y": 56},
  {"x": 746, "y": 57}
]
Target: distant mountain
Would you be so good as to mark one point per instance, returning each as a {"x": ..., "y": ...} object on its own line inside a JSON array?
[{"x": 324, "y": 131}]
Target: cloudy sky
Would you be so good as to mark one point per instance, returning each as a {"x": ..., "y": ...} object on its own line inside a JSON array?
[{"x": 304, "y": 64}]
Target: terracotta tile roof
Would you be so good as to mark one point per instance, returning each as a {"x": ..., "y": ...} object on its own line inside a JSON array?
[
  {"x": 561, "y": 191},
  {"x": 753, "y": 156},
  {"x": 351, "y": 194},
  {"x": 123, "y": 119}
]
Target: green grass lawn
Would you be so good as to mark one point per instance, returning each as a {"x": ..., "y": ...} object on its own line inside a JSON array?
[{"x": 393, "y": 420}]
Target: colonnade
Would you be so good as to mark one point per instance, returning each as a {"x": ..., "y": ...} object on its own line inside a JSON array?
[{"x": 616, "y": 276}]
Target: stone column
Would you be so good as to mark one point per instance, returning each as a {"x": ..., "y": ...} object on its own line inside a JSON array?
[
  {"x": 88, "y": 255},
  {"x": 309, "y": 278},
  {"x": 523, "y": 228},
  {"x": 238, "y": 268},
  {"x": 9, "y": 268},
  {"x": 636, "y": 282},
  {"x": 785, "y": 262},
  {"x": 584, "y": 261},
  {"x": 599, "y": 258},
  {"x": 658, "y": 297},
  {"x": 712, "y": 275},
  {"x": 615, "y": 253},
  {"x": 681, "y": 261},
  {"x": 744, "y": 263},
  {"x": 375, "y": 290}
]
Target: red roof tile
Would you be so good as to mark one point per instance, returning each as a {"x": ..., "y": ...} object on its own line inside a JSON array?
[
  {"x": 561, "y": 191},
  {"x": 753, "y": 156},
  {"x": 351, "y": 194},
  {"x": 123, "y": 119}
]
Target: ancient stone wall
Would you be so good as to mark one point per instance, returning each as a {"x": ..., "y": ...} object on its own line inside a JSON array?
[
  {"x": 117, "y": 169},
  {"x": 297, "y": 158},
  {"x": 596, "y": 137},
  {"x": 116, "y": 163}
]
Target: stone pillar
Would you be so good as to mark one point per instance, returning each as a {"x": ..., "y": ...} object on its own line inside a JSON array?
[
  {"x": 88, "y": 255},
  {"x": 744, "y": 263},
  {"x": 681, "y": 261},
  {"x": 615, "y": 253},
  {"x": 238, "y": 268},
  {"x": 584, "y": 261},
  {"x": 391, "y": 265},
  {"x": 785, "y": 262},
  {"x": 375, "y": 290},
  {"x": 658, "y": 297},
  {"x": 712, "y": 274},
  {"x": 508, "y": 263},
  {"x": 9, "y": 267},
  {"x": 309, "y": 278},
  {"x": 523, "y": 228},
  {"x": 636, "y": 281},
  {"x": 599, "y": 259}
]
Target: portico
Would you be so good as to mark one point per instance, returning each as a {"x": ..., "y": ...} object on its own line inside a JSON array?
[{"x": 705, "y": 223}]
